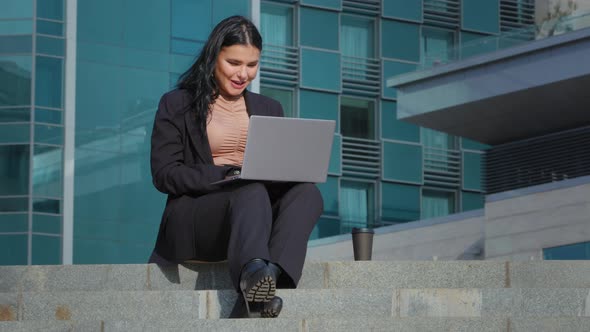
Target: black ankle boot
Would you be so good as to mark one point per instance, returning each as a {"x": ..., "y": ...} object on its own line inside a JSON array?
[
  {"x": 276, "y": 271},
  {"x": 272, "y": 308},
  {"x": 257, "y": 283}
]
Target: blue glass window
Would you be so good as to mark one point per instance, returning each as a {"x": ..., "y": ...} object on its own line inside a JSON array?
[
  {"x": 50, "y": 28},
  {"x": 20, "y": 114},
  {"x": 276, "y": 24},
  {"x": 357, "y": 205},
  {"x": 439, "y": 140},
  {"x": 16, "y": 8},
  {"x": 577, "y": 251},
  {"x": 16, "y": 44},
  {"x": 320, "y": 70},
  {"x": 46, "y": 249},
  {"x": 13, "y": 204},
  {"x": 395, "y": 34},
  {"x": 14, "y": 169},
  {"x": 329, "y": 190},
  {"x": 13, "y": 222},
  {"x": 49, "y": 82},
  {"x": 437, "y": 203},
  {"x": 50, "y": 46},
  {"x": 437, "y": 46},
  {"x": 191, "y": 19},
  {"x": 318, "y": 105},
  {"x": 471, "y": 201},
  {"x": 15, "y": 133},
  {"x": 48, "y": 116},
  {"x": 325, "y": 227},
  {"x": 47, "y": 171},
  {"x": 357, "y": 37},
  {"x": 46, "y": 205},
  {"x": 15, "y": 80},
  {"x": 399, "y": 203},
  {"x": 16, "y": 27},
  {"x": 45, "y": 223},
  {"x": 472, "y": 171},
  {"x": 357, "y": 118},
  {"x": 13, "y": 249},
  {"x": 393, "y": 128},
  {"x": 319, "y": 28},
  {"x": 410, "y": 170},
  {"x": 285, "y": 97},
  {"x": 51, "y": 9}
]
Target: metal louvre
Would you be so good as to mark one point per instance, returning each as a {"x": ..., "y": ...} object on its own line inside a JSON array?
[
  {"x": 366, "y": 7},
  {"x": 279, "y": 65},
  {"x": 516, "y": 14},
  {"x": 442, "y": 168},
  {"x": 444, "y": 13},
  {"x": 361, "y": 158},
  {"x": 361, "y": 76},
  {"x": 539, "y": 160}
]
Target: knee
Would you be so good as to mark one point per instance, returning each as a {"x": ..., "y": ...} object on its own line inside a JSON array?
[
  {"x": 312, "y": 195},
  {"x": 251, "y": 192}
]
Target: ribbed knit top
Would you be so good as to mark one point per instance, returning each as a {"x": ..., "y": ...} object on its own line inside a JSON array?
[{"x": 227, "y": 131}]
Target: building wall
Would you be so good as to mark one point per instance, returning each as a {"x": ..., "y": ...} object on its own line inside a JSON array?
[
  {"x": 520, "y": 228},
  {"x": 515, "y": 225},
  {"x": 436, "y": 239},
  {"x": 123, "y": 67},
  {"x": 129, "y": 52},
  {"x": 411, "y": 170},
  {"x": 32, "y": 50}
]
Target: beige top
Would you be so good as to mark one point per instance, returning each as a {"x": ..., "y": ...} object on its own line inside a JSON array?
[{"x": 227, "y": 131}]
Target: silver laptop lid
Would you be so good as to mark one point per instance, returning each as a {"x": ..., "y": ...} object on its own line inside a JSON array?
[{"x": 288, "y": 149}]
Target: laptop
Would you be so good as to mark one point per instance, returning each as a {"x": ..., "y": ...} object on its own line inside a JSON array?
[{"x": 286, "y": 149}]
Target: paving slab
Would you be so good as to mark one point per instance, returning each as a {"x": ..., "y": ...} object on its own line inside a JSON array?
[
  {"x": 550, "y": 274},
  {"x": 308, "y": 303},
  {"x": 51, "y": 326},
  {"x": 38, "y": 278},
  {"x": 9, "y": 307},
  {"x": 491, "y": 324},
  {"x": 113, "y": 305},
  {"x": 189, "y": 277},
  {"x": 11, "y": 278},
  {"x": 506, "y": 302},
  {"x": 551, "y": 324},
  {"x": 217, "y": 325},
  {"x": 413, "y": 274}
]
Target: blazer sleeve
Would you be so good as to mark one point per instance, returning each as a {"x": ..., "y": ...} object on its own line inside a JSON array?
[
  {"x": 276, "y": 108},
  {"x": 170, "y": 174}
]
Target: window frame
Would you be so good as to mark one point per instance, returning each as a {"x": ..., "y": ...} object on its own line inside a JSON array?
[
  {"x": 376, "y": 128},
  {"x": 453, "y": 192}
]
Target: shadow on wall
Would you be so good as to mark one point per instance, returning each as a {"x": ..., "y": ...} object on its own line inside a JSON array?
[{"x": 476, "y": 251}]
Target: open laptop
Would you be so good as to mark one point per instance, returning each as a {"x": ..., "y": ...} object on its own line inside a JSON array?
[{"x": 286, "y": 149}]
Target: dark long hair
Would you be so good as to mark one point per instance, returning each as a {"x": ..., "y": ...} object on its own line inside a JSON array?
[{"x": 199, "y": 80}]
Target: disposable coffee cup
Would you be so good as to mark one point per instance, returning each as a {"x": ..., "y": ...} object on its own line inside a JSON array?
[{"x": 362, "y": 243}]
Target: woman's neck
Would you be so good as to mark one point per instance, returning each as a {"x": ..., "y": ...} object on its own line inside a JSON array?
[{"x": 229, "y": 99}]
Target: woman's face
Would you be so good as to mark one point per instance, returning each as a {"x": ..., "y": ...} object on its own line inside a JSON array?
[{"x": 235, "y": 68}]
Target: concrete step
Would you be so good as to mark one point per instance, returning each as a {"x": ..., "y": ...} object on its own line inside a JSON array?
[
  {"x": 299, "y": 304},
  {"x": 488, "y": 324},
  {"x": 316, "y": 275}
]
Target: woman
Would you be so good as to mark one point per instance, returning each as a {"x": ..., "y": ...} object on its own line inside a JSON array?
[{"x": 198, "y": 138}]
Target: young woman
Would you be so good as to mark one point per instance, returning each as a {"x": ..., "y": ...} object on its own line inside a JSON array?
[{"x": 199, "y": 137}]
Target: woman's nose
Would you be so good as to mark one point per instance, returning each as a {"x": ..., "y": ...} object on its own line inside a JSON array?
[{"x": 242, "y": 73}]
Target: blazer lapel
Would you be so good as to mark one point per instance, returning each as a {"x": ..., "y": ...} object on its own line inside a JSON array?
[
  {"x": 252, "y": 104},
  {"x": 201, "y": 144}
]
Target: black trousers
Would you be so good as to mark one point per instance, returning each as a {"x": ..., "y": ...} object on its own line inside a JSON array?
[{"x": 252, "y": 220}]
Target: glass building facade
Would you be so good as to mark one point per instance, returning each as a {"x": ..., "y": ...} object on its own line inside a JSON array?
[{"x": 80, "y": 81}]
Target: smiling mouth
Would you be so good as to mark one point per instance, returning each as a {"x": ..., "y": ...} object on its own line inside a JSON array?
[{"x": 238, "y": 84}]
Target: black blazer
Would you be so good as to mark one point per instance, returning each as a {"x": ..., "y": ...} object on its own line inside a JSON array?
[{"x": 181, "y": 160}]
